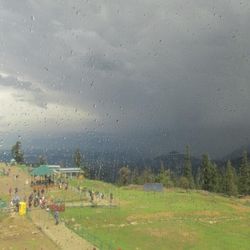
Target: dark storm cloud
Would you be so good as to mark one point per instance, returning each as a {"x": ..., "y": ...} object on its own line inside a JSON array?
[{"x": 176, "y": 66}]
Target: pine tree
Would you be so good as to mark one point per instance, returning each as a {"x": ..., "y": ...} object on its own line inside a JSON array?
[
  {"x": 220, "y": 180},
  {"x": 164, "y": 177},
  {"x": 209, "y": 175},
  {"x": 230, "y": 187},
  {"x": 205, "y": 172},
  {"x": 244, "y": 175},
  {"x": 124, "y": 176},
  {"x": 77, "y": 158},
  {"x": 198, "y": 180},
  {"x": 213, "y": 177},
  {"x": 17, "y": 152},
  {"x": 135, "y": 176},
  {"x": 187, "y": 171},
  {"x": 147, "y": 176}
]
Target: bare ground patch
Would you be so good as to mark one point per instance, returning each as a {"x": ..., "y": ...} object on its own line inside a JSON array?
[
  {"x": 240, "y": 208},
  {"x": 19, "y": 233},
  {"x": 161, "y": 215},
  {"x": 184, "y": 235},
  {"x": 207, "y": 213}
]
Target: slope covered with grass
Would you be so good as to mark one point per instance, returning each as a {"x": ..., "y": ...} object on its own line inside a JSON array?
[{"x": 172, "y": 219}]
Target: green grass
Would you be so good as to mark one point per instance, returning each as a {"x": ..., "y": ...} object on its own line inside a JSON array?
[
  {"x": 170, "y": 220},
  {"x": 95, "y": 185},
  {"x": 23, "y": 167},
  {"x": 64, "y": 195}
]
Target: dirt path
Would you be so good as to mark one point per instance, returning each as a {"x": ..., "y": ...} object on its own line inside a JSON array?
[
  {"x": 103, "y": 203},
  {"x": 60, "y": 234}
]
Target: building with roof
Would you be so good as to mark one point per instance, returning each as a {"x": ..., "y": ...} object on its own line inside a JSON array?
[{"x": 70, "y": 172}]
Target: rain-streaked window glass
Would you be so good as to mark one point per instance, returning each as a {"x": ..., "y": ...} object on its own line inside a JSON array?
[{"x": 124, "y": 124}]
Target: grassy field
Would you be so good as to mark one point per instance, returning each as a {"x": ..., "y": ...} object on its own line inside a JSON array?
[{"x": 172, "y": 219}]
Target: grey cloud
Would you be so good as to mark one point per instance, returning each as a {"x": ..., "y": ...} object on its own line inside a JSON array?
[
  {"x": 171, "y": 65},
  {"x": 24, "y": 88}
]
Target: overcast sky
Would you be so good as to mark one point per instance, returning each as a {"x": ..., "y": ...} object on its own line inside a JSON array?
[{"x": 176, "y": 72}]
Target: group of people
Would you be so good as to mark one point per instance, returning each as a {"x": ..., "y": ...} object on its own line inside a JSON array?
[
  {"x": 37, "y": 198},
  {"x": 63, "y": 185},
  {"x": 95, "y": 195}
]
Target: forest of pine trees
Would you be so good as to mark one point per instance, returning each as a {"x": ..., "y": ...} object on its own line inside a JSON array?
[{"x": 208, "y": 177}]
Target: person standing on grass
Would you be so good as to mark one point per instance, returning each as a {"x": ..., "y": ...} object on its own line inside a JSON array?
[
  {"x": 56, "y": 216},
  {"x": 111, "y": 198}
]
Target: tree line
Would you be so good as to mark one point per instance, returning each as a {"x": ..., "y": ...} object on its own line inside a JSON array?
[{"x": 208, "y": 177}]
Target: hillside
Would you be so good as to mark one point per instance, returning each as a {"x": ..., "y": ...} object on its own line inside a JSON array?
[
  {"x": 139, "y": 220},
  {"x": 174, "y": 219}
]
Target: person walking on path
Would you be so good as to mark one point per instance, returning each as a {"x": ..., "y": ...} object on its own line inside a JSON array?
[{"x": 10, "y": 191}]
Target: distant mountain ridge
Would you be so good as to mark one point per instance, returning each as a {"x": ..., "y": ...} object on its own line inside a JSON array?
[
  {"x": 175, "y": 162},
  {"x": 237, "y": 153},
  {"x": 105, "y": 154}
]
